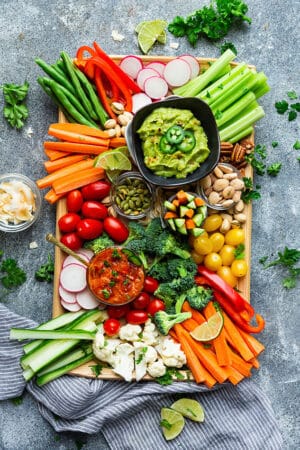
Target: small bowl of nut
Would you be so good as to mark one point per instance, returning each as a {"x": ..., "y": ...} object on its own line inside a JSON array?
[
  {"x": 222, "y": 188},
  {"x": 132, "y": 196}
]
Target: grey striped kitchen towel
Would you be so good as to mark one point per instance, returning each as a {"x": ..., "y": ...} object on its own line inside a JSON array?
[{"x": 128, "y": 414}]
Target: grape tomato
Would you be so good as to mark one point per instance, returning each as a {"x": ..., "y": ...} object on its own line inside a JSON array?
[
  {"x": 142, "y": 301},
  {"x": 111, "y": 326},
  {"x": 116, "y": 229},
  {"x": 117, "y": 312},
  {"x": 150, "y": 284},
  {"x": 94, "y": 210},
  {"x": 74, "y": 201},
  {"x": 136, "y": 317},
  {"x": 155, "y": 305},
  {"x": 72, "y": 241},
  {"x": 96, "y": 191},
  {"x": 89, "y": 228},
  {"x": 68, "y": 222}
]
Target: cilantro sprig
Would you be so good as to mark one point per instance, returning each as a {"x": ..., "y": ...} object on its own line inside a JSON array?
[
  {"x": 15, "y": 110},
  {"x": 286, "y": 259},
  {"x": 11, "y": 275},
  {"x": 46, "y": 271},
  {"x": 284, "y": 106}
]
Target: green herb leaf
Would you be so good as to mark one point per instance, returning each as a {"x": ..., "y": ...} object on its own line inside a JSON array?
[
  {"x": 46, "y": 271},
  {"x": 17, "y": 400},
  {"x": 15, "y": 111},
  {"x": 295, "y": 106},
  {"x": 14, "y": 277},
  {"x": 274, "y": 144},
  {"x": 228, "y": 45},
  {"x": 167, "y": 378},
  {"x": 282, "y": 106},
  {"x": 141, "y": 355},
  {"x": 96, "y": 369},
  {"x": 296, "y": 146},
  {"x": 292, "y": 95},
  {"x": 288, "y": 258},
  {"x": 292, "y": 116},
  {"x": 239, "y": 252},
  {"x": 274, "y": 169}
]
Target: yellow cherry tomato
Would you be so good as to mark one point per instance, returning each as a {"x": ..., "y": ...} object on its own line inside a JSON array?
[
  {"x": 203, "y": 245},
  {"x": 217, "y": 240},
  {"x": 227, "y": 254},
  {"x": 235, "y": 236},
  {"x": 213, "y": 261},
  {"x": 239, "y": 268},
  {"x": 196, "y": 257},
  {"x": 225, "y": 273},
  {"x": 212, "y": 222}
]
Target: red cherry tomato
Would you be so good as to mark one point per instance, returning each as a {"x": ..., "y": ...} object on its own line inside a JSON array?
[
  {"x": 71, "y": 240},
  {"x": 136, "y": 317},
  {"x": 142, "y": 301},
  {"x": 117, "y": 312},
  {"x": 68, "y": 222},
  {"x": 111, "y": 326},
  {"x": 116, "y": 229},
  {"x": 155, "y": 305},
  {"x": 150, "y": 284},
  {"x": 96, "y": 191},
  {"x": 94, "y": 210},
  {"x": 89, "y": 228},
  {"x": 74, "y": 201}
]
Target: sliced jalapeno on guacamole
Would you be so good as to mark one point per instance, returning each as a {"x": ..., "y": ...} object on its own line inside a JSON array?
[
  {"x": 188, "y": 142},
  {"x": 165, "y": 146},
  {"x": 175, "y": 134}
]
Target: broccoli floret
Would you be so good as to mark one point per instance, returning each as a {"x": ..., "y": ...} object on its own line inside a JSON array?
[
  {"x": 136, "y": 231},
  {"x": 159, "y": 271},
  {"x": 100, "y": 243},
  {"x": 152, "y": 232},
  {"x": 166, "y": 244},
  {"x": 164, "y": 321},
  {"x": 198, "y": 296},
  {"x": 167, "y": 293},
  {"x": 178, "y": 267},
  {"x": 136, "y": 241},
  {"x": 171, "y": 292}
]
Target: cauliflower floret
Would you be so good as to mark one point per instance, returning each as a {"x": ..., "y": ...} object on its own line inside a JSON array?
[
  {"x": 150, "y": 333},
  {"x": 130, "y": 332},
  {"x": 156, "y": 368},
  {"x": 124, "y": 361},
  {"x": 104, "y": 348},
  {"x": 143, "y": 355},
  {"x": 170, "y": 352}
]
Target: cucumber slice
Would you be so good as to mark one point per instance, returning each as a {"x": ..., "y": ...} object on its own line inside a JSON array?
[
  {"x": 183, "y": 210},
  {"x": 197, "y": 231},
  {"x": 179, "y": 222},
  {"x": 67, "y": 359},
  {"x": 169, "y": 206},
  {"x": 198, "y": 219},
  {"x": 191, "y": 205},
  {"x": 172, "y": 225},
  {"x": 182, "y": 230}
]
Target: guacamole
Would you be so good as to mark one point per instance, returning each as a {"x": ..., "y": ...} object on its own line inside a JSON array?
[{"x": 173, "y": 141}]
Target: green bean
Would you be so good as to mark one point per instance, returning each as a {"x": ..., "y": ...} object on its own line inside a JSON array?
[
  {"x": 77, "y": 86},
  {"x": 53, "y": 73},
  {"x": 49, "y": 92},
  {"x": 71, "y": 98}
]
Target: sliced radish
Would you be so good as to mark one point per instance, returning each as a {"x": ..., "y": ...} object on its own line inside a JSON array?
[
  {"x": 177, "y": 72},
  {"x": 86, "y": 253},
  {"x": 140, "y": 100},
  {"x": 158, "y": 66},
  {"x": 156, "y": 87},
  {"x": 193, "y": 63},
  {"x": 143, "y": 75},
  {"x": 73, "y": 307},
  {"x": 86, "y": 299},
  {"x": 73, "y": 278},
  {"x": 72, "y": 260},
  {"x": 66, "y": 296},
  {"x": 131, "y": 65}
]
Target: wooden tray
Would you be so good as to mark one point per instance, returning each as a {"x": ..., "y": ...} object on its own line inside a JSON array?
[{"x": 243, "y": 284}]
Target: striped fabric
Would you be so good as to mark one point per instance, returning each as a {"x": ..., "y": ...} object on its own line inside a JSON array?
[{"x": 128, "y": 414}]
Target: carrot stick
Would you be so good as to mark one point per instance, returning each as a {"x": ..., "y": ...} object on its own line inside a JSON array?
[
  {"x": 189, "y": 324},
  {"x": 173, "y": 335},
  {"x": 74, "y": 181},
  {"x": 220, "y": 344},
  {"x": 117, "y": 142},
  {"x": 76, "y": 147},
  {"x": 255, "y": 363},
  {"x": 71, "y": 136},
  {"x": 53, "y": 155},
  {"x": 196, "y": 315},
  {"x": 79, "y": 128},
  {"x": 206, "y": 356},
  {"x": 235, "y": 376},
  {"x": 237, "y": 339},
  {"x": 76, "y": 167},
  {"x": 239, "y": 364},
  {"x": 192, "y": 360},
  {"x": 255, "y": 346},
  {"x": 52, "y": 166},
  {"x": 51, "y": 197}
]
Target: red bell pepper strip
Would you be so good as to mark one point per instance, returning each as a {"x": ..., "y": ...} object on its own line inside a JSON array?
[
  {"x": 236, "y": 300},
  {"x": 85, "y": 48},
  {"x": 102, "y": 93},
  {"x": 237, "y": 318},
  {"x": 117, "y": 69}
]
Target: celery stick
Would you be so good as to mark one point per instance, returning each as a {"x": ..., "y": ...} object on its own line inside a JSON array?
[
  {"x": 28, "y": 374},
  {"x": 242, "y": 134},
  {"x": 214, "y": 87},
  {"x": 240, "y": 115},
  {"x": 22, "y": 333},
  {"x": 197, "y": 84},
  {"x": 248, "y": 119},
  {"x": 236, "y": 108},
  {"x": 233, "y": 84},
  {"x": 230, "y": 95},
  {"x": 264, "y": 89}
]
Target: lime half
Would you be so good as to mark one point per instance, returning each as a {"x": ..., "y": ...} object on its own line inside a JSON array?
[
  {"x": 209, "y": 330},
  {"x": 189, "y": 408},
  {"x": 172, "y": 423},
  {"x": 149, "y": 32},
  {"x": 113, "y": 160}
]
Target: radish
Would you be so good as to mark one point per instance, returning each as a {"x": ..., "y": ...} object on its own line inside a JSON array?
[
  {"x": 143, "y": 75},
  {"x": 73, "y": 307},
  {"x": 66, "y": 296},
  {"x": 86, "y": 253},
  {"x": 140, "y": 100},
  {"x": 193, "y": 63},
  {"x": 158, "y": 66},
  {"x": 156, "y": 87},
  {"x": 86, "y": 299},
  {"x": 73, "y": 277},
  {"x": 72, "y": 260},
  {"x": 177, "y": 72},
  {"x": 131, "y": 65}
]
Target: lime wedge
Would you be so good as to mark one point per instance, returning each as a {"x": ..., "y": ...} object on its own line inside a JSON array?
[
  {"x": 209, "y": 330},
  {"x": 162, "y": 38},
  {"x": 149, "y": 32},
  {"x": 113, "y": 160},
  {"x": 189, "y": 408},
  {"x": 172, "y": 423}
]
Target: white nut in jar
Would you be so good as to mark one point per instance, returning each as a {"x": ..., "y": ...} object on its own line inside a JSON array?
[
  {"x": 241, "y": 218},
  {"x": 228, "y": 192},
  {"x": 227, "y": 203},
  {"x": 220, "y": 184},
  {"x": 239, "y": 207},
  {"x": 218, "y": 172},
  {"x": 206, "y": 182},
  {"x": 225, "y": 169},
  {"x": 237, "y": 196},
  {"x": 237, "y": 184},
  {"x": 214, "y": 198},
  {"x": 230, "y": 176}
]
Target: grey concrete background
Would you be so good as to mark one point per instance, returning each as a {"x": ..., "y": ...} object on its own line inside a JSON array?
[{"x": 39, "y": 28}]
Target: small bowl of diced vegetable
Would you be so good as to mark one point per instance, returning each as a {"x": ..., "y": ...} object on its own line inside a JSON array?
[
  {"x": 184, "y": 212},
  {"x": 132, "y": 196}
]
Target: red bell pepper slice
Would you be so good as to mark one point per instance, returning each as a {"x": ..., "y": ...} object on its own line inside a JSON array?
[
  {"x": 237, "y": 301},
  {"x": 102, "y": 93},
  {"x": 85, "y": 48}
]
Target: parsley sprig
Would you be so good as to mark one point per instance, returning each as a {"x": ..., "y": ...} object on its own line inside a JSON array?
[
  {"x": 283, "y": 106},
  {"x": 11, "y": 275},
  {"x": 287, "y": 259},
  {"x": 249, "y": 193},
  {"x": 15, "y": 110},
  {"x": 167, "y": 378},
  {"x": 46, "y": 271}
]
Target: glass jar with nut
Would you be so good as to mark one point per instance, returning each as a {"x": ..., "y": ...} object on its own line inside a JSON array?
[{"x": 222, "y": 189}]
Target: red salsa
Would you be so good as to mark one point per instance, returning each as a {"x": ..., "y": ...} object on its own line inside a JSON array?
[{"x": 114, "y": 278}]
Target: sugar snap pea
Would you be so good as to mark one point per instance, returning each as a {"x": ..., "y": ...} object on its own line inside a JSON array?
[
  {"x": 49, "y": 92},
  {"x": 53, "y": 73}
]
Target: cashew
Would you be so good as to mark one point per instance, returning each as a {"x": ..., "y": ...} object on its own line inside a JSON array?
[
  {"x": 218, "y": 172},
  {"x": 230, "y": 176},
  {"x": 225, "y": 169}
]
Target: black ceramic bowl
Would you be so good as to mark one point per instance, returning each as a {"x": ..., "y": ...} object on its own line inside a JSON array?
[{"x": 202, "y": 112}]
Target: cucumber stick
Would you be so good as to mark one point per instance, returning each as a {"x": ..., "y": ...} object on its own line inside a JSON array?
[
  {"x": 77, "y": 353},
  {"x": 22, "y": 333},
  {"x": 51, "y": 350}
]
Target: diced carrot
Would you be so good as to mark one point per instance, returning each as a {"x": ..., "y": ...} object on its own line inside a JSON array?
[
  {"x": 182, "y": 197},
  {"x": 175, "y": 202},
  {"x": 238, "y": 342},
  {"x": 199, "y": 201},
  {"x": 196, "y": 315},
  {"x": 189, "y": 213},
  {"x": 117, "y": 142},
  {"x": 65, "y": 171},
  {"x": 76, "y": 147},
  {"x": 190, "y": 224},
  {"x": 53, "y": 155},
  {"x": 52, "y": 197},
  {"x": 52, "y": 166},
  {"x": 83, "y": 177},
  {"x": 80, "y": 129},
  {"x": 170, "y": 215}
]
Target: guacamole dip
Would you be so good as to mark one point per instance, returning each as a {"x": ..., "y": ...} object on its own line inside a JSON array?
[{"x": 173, "y": 141}]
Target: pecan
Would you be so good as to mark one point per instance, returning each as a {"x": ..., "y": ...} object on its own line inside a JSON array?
[{"x": 238, "y": 153}]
